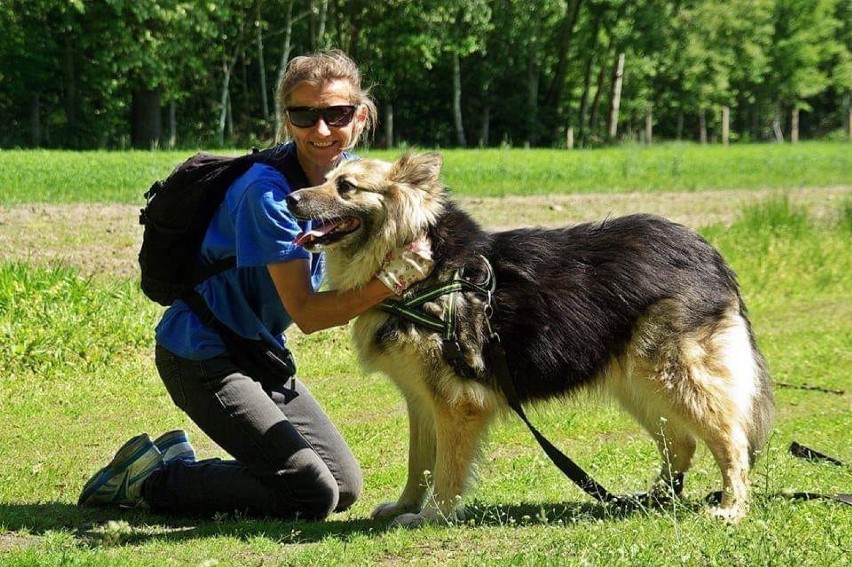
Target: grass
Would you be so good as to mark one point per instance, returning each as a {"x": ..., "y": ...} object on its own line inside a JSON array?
[
  {"x": 42, "y": 176},
  {"x": 78, "y": 380}
]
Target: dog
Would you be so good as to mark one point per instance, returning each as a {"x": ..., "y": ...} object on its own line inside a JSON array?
[{"x": 638, "y": 307}]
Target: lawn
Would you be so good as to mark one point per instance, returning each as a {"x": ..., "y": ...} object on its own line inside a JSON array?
[{"x": 78, "y": 380}]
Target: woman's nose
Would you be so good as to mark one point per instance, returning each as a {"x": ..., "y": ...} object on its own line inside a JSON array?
[{"x": 322, "y": 127}]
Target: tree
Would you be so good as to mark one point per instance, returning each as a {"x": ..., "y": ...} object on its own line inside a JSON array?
[{"x": 804, "y": 43}]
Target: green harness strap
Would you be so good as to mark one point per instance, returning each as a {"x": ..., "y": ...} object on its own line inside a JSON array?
[{"x": 411, "y": 308}]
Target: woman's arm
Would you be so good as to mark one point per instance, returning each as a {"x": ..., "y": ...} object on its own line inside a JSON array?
[{"x": 317, "y": 310}]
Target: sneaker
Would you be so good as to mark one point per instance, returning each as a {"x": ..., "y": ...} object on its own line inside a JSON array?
[
  {"x": 120, "y": 482},
  {"x": 175, "y": 445}
]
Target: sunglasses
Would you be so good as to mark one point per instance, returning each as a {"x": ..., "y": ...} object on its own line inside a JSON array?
[{"x": 334, "y": 116}]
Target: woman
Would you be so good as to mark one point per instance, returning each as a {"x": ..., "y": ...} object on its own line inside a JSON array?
[{"x": 289, "y": 459}]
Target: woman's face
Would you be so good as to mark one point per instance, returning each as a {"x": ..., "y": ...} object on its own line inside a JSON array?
[{"x": 321, "y": 146}]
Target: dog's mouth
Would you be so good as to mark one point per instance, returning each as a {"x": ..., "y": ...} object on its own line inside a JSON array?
[{"x": 327, "y": 232}]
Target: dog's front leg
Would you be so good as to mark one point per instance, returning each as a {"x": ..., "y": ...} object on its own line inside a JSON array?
[
  {"x": 459, "y": 428},
  {"x": 421, "y": 460}
]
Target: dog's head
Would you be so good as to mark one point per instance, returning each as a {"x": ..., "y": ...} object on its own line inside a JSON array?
[{"x": 371, "y": 204}]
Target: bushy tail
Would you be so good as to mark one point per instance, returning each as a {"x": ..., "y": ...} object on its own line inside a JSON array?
[{"x": 763, "y": 408}]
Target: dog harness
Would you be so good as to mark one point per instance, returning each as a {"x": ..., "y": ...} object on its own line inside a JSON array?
[{"x": 411, "y": 308}]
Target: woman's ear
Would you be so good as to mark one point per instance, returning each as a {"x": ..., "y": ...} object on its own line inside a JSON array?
[{"x": 361, "y": 115}]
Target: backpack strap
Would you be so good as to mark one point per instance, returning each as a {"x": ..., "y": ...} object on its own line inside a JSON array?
[{"x": 271, "y": 364}]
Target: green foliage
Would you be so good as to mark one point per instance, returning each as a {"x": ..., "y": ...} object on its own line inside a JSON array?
[
  {"x": 53, "y": 322},
  {"x": 69, "y": 71}
]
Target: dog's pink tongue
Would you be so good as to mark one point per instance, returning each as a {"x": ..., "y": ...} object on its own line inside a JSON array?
[{"x": 307, "y": 237}]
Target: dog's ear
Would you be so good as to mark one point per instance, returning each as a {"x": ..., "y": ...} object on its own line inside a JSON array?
[{"x": 418, "y": 170}]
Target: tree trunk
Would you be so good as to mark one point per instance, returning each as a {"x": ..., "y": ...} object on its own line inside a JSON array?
[
  {"x": 224, "y": 99},
  {"x": 847, "y": 119},
  {"x": 485, "y": 132},
  {"x": 679, "y": 127},
  {"x": 389, "y": 126},
  {"x": 35, "y": 121},
  {"x": 702, "y": 126},
  {"x": 172, "y": 124},
  {"x": 615, "y": 101},
  {"x": 649, "y": 125},
  {"x": 282, "y": 69},
  {"x": 584, "y": 100},
  {"x": 146, "y": 123},
  {"x": 264, "y": 99},
  {"x": 323, "y": 14},
  {"x": 457, "y": 113},
  {"x": 553, "y": 97},
  {"x": 70, "y": 74},
  {"x": 593, "y": 117},
  {"x": 726, "y": 125},
  {"x": 566, "y": 32},
  {"x": 847, "y": 104},
  {"x": 532, "y": 98},
  {"x": 777, "y": 130},
  {"x": 794, "y": 125}
]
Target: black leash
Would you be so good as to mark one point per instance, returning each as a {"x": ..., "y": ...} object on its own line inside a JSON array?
[
  {"x": 497, "y": 361},
  {"x": 802, "y": 452}
]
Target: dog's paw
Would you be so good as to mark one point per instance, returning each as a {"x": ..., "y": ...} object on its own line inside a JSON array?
[
  {"x": 730, "y": 515},
  {"x": 391, "y": 509}
]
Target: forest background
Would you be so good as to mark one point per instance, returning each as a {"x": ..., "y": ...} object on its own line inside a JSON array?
[{"x": 114, "y": 74}]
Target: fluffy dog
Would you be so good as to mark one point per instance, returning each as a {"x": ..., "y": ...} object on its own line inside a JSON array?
[{"x": 639, "y": 307}]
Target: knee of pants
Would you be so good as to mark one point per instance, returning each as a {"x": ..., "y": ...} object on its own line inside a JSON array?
[
  {"x": 349, "y": 489},
  {"x": 307, "y": 487}
]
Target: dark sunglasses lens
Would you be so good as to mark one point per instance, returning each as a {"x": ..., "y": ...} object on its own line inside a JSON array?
[
  {"x": 303, "y": 117},
  {"x": 334, "y": 116},
  {"x": 338, "y": 116}
]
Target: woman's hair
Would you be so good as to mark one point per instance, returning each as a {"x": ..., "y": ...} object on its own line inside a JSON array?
[{"x": 319, "y": 69}]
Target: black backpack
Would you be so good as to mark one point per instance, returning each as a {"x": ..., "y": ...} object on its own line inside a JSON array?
[{"x": 178, "y": 211}]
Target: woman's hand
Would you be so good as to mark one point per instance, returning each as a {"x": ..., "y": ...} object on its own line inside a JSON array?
[{"x": 407, "y": 265}]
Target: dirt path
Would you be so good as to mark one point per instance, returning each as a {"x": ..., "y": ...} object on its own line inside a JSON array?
[{"x": 104, "y": 239}]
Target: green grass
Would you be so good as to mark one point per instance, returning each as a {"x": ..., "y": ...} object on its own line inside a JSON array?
[
  {"x": 78, "y": 379},
  {"x": 122, "y": 177}
]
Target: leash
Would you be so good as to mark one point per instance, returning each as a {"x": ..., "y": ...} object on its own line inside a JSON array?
[{"x": 411, "y": 308}]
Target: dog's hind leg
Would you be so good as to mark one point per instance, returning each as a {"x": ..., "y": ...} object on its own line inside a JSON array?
[
  {"x": 675, "y": 443},
  {"x": 421, "y": 460}
]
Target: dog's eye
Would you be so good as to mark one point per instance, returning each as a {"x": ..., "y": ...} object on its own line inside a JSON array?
[{"x": 344, "y": 186}]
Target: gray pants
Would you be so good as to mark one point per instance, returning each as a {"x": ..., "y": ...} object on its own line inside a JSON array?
[{"x": 289, "y": 459}]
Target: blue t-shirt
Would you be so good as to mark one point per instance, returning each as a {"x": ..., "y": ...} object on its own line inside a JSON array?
[{"x": 254, "y": 225}]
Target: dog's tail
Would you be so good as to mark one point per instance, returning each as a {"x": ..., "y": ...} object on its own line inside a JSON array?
[{"x": 763, "y": 404}]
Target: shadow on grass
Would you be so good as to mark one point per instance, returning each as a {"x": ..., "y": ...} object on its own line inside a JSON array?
[{"x": 107, "y": 526}]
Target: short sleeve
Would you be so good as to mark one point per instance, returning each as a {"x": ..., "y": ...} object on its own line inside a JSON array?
[{"x": 265, "y": 229}]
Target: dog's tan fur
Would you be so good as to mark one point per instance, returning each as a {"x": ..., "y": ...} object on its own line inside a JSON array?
[{"x": 678, "y": 385}]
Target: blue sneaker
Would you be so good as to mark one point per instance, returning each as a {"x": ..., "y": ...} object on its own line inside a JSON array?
[
  {"x": 175, "y": 445},
  {"x": 120, "y": 482}
]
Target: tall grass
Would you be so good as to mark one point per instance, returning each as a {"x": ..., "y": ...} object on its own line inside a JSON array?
[
  {"x": 78, "y": 379},
  {"x": 122, "y": 177}
]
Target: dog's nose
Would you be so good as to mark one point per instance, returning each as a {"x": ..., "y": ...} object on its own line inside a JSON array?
[{"x": 292, "y": 200}]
